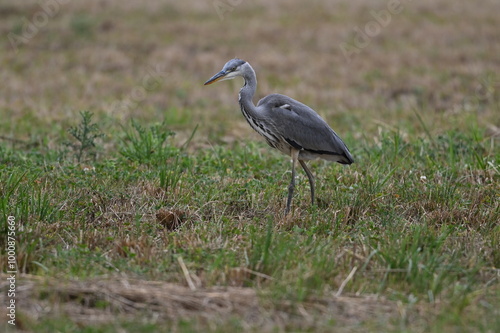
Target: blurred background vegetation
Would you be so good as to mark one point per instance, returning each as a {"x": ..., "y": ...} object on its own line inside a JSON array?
[{"x": 148, "y": 60}]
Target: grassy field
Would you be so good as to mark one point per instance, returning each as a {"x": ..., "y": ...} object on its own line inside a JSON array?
[{"x": 143, "y": 201}]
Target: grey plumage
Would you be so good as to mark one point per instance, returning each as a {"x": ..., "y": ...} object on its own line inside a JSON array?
[{"x": 287, "y": 125}]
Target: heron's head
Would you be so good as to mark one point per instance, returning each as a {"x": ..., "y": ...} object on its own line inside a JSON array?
[{"x": 231, "y": 69}]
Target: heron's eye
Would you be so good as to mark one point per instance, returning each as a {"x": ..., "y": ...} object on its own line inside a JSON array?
[{"x": 232, "y": 69}]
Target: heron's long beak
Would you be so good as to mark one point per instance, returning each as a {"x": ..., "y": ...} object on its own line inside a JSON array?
[{"x": 216, "y": 77}]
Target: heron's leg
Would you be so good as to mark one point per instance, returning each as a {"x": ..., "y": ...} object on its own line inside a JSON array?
[
  {"x": 311, "y": 179},
  {"x": 291, "y": 187}
]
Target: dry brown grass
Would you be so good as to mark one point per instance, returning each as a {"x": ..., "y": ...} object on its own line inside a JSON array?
[{"x": 105, "y": 300}]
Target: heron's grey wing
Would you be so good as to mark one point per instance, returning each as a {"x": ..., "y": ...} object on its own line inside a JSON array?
[{"x": 304, "y": 129}]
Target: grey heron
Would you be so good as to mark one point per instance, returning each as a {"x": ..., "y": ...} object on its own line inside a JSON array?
[{"x": 287, "y": 125}]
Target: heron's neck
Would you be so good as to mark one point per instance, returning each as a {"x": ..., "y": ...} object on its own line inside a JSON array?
[{"x": 247, "y": 92}]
